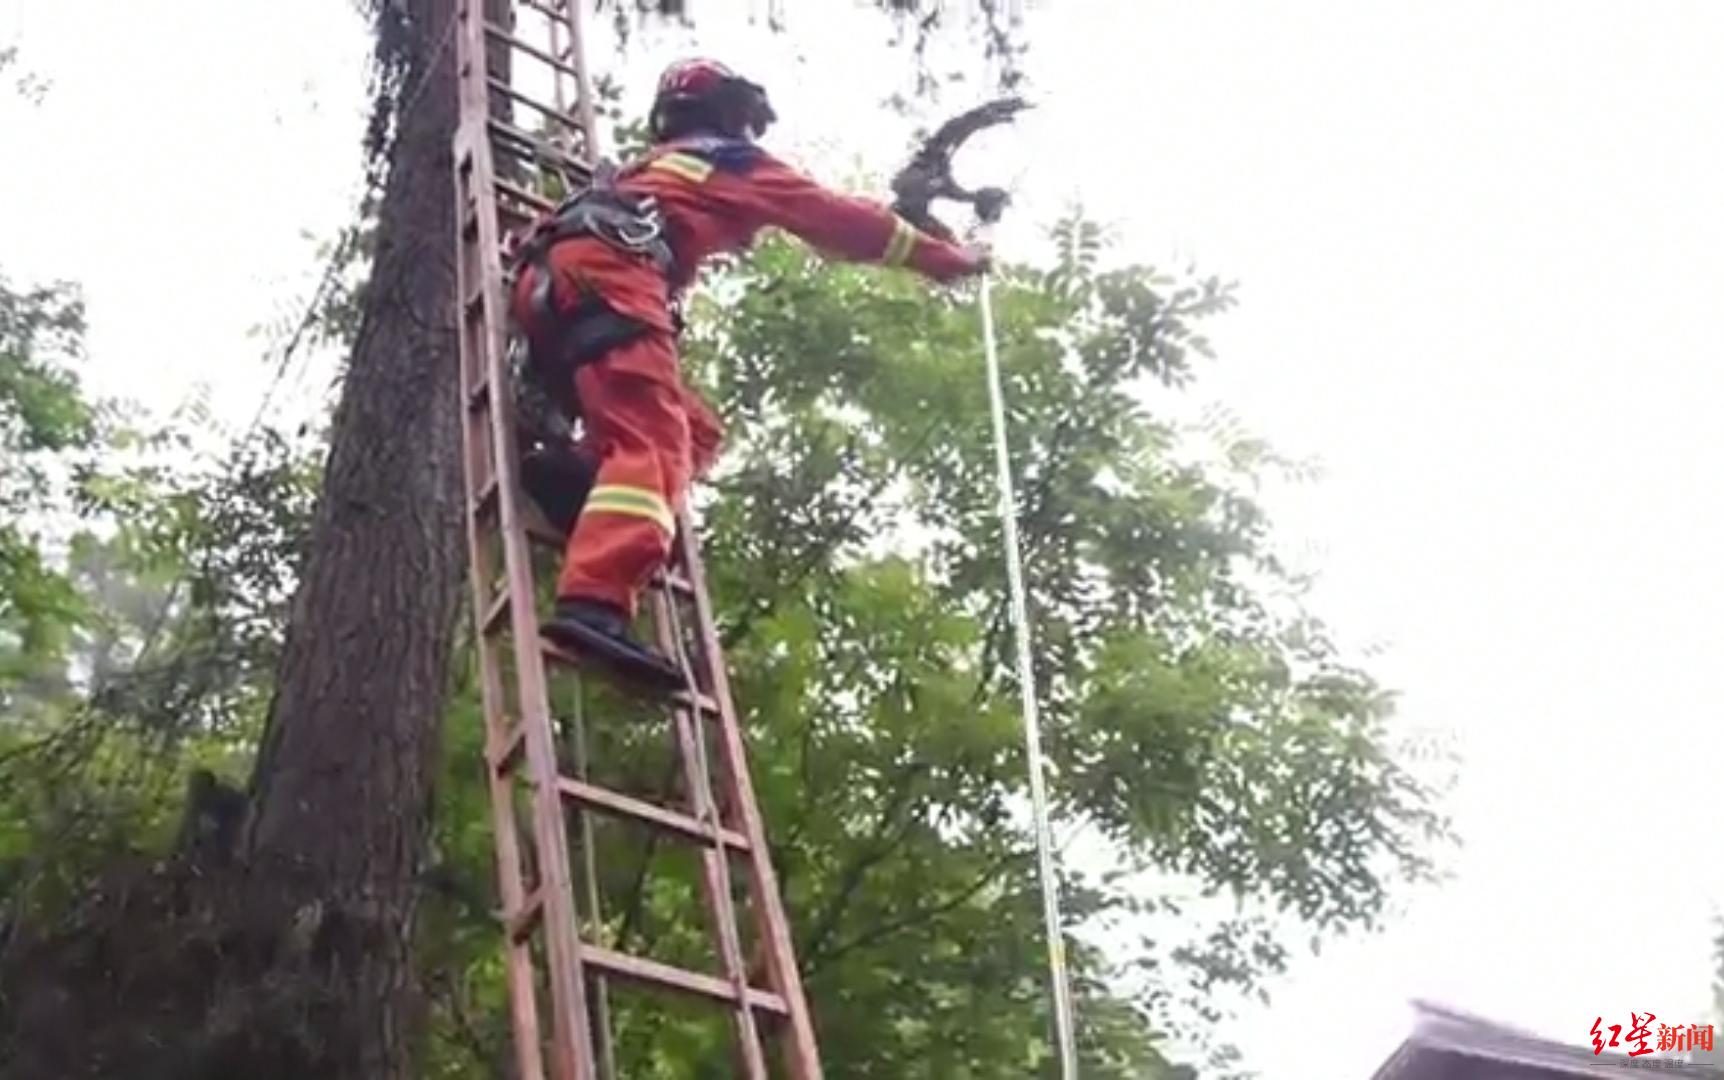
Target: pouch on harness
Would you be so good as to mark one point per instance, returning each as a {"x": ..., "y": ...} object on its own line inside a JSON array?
[{"x": 559, "y": 341}]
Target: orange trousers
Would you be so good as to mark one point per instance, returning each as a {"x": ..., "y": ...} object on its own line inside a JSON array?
[{"x": 653, "y": 437}]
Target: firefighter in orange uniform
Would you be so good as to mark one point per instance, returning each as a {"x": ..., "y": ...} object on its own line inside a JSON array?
[{"x": 596, "y": 292}]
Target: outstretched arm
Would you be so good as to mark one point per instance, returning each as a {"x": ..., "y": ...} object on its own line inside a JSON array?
[{"x": 845, "y": 226}]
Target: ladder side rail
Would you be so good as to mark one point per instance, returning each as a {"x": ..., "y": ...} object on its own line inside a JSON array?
[
  {"x": 588, "y": 121},
  {"x": 497, "y": 515},
  {"x": 715, "y": 861},
  {"x": 511, "y": 888},
  {"x": 772, "y": 924},
  {"x": 600, "y": 1002},
  {"x": 572, "y": 1054}
]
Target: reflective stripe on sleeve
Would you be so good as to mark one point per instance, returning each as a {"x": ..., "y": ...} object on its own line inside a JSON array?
[{"x": 903, "y": 240}]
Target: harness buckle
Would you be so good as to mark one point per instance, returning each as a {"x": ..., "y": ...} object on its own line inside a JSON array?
[{"x": 648, "y": 222}]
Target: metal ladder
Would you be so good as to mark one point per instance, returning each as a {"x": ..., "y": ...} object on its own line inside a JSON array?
[{"x": 499, "y": 166}]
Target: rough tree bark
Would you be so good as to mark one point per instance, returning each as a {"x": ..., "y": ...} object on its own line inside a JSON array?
[
  {"x": 342, "y": 784},
  {"x": 295, "y": 959}
]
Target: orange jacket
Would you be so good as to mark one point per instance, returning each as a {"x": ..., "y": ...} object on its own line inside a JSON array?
[{"x": 717, "y": 194}]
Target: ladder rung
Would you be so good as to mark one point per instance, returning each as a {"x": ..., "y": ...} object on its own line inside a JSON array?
[
  {"x": 548, "y": 111},
  {"x": 521, "y": 142},
  {"x": 497, "y": 611},
  {"x": 486, "y": 501},
  {"x": 539, "y": 528},
  {"x": 556, "y": 654},
  {"x": 547, "y": 12},
  {"x": 509, "y": 218},
  {"x": 522, "y": 195},
  {"x": 652, "y": 973},
  {"x": 498, "y": 34},
  {"x": 503, "y": 757},
  {"x": 521, "y": 922},
  {"x": 479, "y": 396},
  {"x": 540, "y": 531},
  {"x": 622, "y": 805},
  {"x": 673, "y": 582},
  {"x": 701, "y": 702},
  {"x": 474, "y": 303}
]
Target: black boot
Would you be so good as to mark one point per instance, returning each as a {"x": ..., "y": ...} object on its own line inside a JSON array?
[
  {"x": 601, "y": 632},
  {"x": 558, "y": 479}
]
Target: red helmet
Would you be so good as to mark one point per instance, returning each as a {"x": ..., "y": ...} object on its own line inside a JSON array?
[
  {"x": 701, "y": 93},
  {"x": 692, "y": 79}
]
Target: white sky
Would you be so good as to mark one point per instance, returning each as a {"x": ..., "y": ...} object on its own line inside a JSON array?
[{"x": 1481, "y": 248}]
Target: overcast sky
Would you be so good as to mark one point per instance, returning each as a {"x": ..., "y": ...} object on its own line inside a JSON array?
[{"x": 1481, "y": 255}]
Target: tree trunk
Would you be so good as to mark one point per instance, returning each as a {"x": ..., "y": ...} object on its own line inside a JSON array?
[
  {"x": 295, "y": 959},
  {"x": 343, "y": 780}
]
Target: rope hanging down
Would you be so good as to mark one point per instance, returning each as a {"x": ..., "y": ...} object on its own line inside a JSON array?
[
  {"x": 929, "y": 176},
  {"x": 1063, "y": 1019}
]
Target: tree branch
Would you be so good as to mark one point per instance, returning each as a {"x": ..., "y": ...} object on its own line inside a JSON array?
[
  {"x": 814, "y": 959},
  {"x": 827, "y": 542},
  {"x": 880, "y": 847},
  {"x": 635, "y": 905}
]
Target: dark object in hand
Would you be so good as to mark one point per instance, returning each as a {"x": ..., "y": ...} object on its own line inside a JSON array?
[{"x": 928, "y": 176}]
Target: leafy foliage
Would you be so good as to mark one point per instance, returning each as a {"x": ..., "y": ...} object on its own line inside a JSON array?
[
  {"x": 1205, "y": 731},
  {"x": 1202, "y": 727},
  {"x": 29, "y": 85},
  {"x": 141, "y": 595},
  {"x": 43, "y": 417},
  {"x": 1199, "y": 721}
]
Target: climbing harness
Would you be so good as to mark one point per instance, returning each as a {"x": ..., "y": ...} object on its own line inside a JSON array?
[
  {"x": 630, "y": 223},
  {"x": 634, "y": 225},
  {"x": 929, "y": 176}
]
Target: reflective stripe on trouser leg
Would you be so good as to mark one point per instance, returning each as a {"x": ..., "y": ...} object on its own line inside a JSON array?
[
  {"x": 632, "y": 404},
  {"x": 633, "y": 501}
]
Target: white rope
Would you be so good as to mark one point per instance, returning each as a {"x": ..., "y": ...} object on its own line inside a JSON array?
[{"x": 1063, "y": 1020}]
